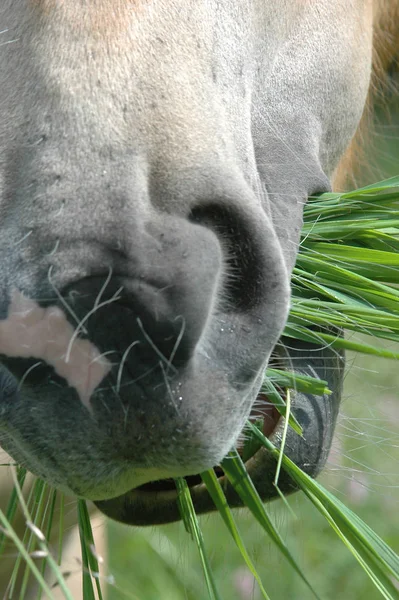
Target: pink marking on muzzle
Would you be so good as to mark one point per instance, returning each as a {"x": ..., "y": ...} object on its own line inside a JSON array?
[{"x": 31, "y": 331}]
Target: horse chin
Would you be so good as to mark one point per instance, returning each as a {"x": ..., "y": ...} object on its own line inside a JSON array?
[{"x": 156, "y": 503}]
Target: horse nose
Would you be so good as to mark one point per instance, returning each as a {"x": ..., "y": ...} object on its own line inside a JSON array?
[{"x": 158, "y": 296}]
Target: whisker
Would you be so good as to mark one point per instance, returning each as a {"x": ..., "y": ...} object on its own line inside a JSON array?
[
  {"x": 25, "y": 375},
  {"x": 170, "y": 393},
  {"x": 80, "y": 327},
  {"x": 23, "y": 238},
  {"x": 122, "y": 363},
  {"x": 62, "y": 299},
  {"x": 100, "y": 293},
  {"x": 179, "y": 339},
  {"x": 154, "y": 347}
]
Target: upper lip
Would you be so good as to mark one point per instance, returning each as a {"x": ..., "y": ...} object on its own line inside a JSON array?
[{"x": 156, "y": 502}]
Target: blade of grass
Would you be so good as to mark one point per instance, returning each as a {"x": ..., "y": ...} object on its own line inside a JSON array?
[
  {"x": 90, "y": 561},
  {"x": 237, "y": 474},
  {"x": 87, "y": 581},
  {"x": 39, "y": 491},
  {"x": 283, "y": 439},
  {"x": 191, "y": 522},
  {"x": 380, "y": 186},
  {"x": 326, "y": 339},
  {"x": 215, "y": 490},
  {"x": 298, "y": 382},
  {"x": 376, "y": 574},
  {"x": 274, "y": 396},
  {"x": 61, "y": 529},
  {"x": 344, "y": 228},
  {"x": 52, "y": 502}
]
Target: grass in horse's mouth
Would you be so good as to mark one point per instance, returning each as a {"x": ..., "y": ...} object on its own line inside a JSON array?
[{"x": 263, "y": 411}]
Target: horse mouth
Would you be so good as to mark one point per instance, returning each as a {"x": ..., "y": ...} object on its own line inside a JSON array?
[
  {"x": 264, "y": 411},
  {"x": 155, "y": 502}
]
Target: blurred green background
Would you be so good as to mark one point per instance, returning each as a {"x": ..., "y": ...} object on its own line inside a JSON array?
[{"x": 363, "y": 471}]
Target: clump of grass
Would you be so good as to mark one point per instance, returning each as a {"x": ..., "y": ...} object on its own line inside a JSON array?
[
  {"x": 347, "y": 272},
  {"x": 346, "y": 277},
  {"x": 33, "y": 548}
]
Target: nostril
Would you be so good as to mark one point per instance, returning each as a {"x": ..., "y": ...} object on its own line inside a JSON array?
[
  {"x": 244, "y": 269},
  {"x": 129, "y": 315},
  {"x": 158, "y": 326},
  {"x": 147, "y": 320}
]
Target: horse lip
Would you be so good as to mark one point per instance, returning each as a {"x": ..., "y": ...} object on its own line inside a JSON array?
[
  {"x": 200, "y": 487},
  {"x": 162, "y": 505},
  {"x": 273, "y": 430}
]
